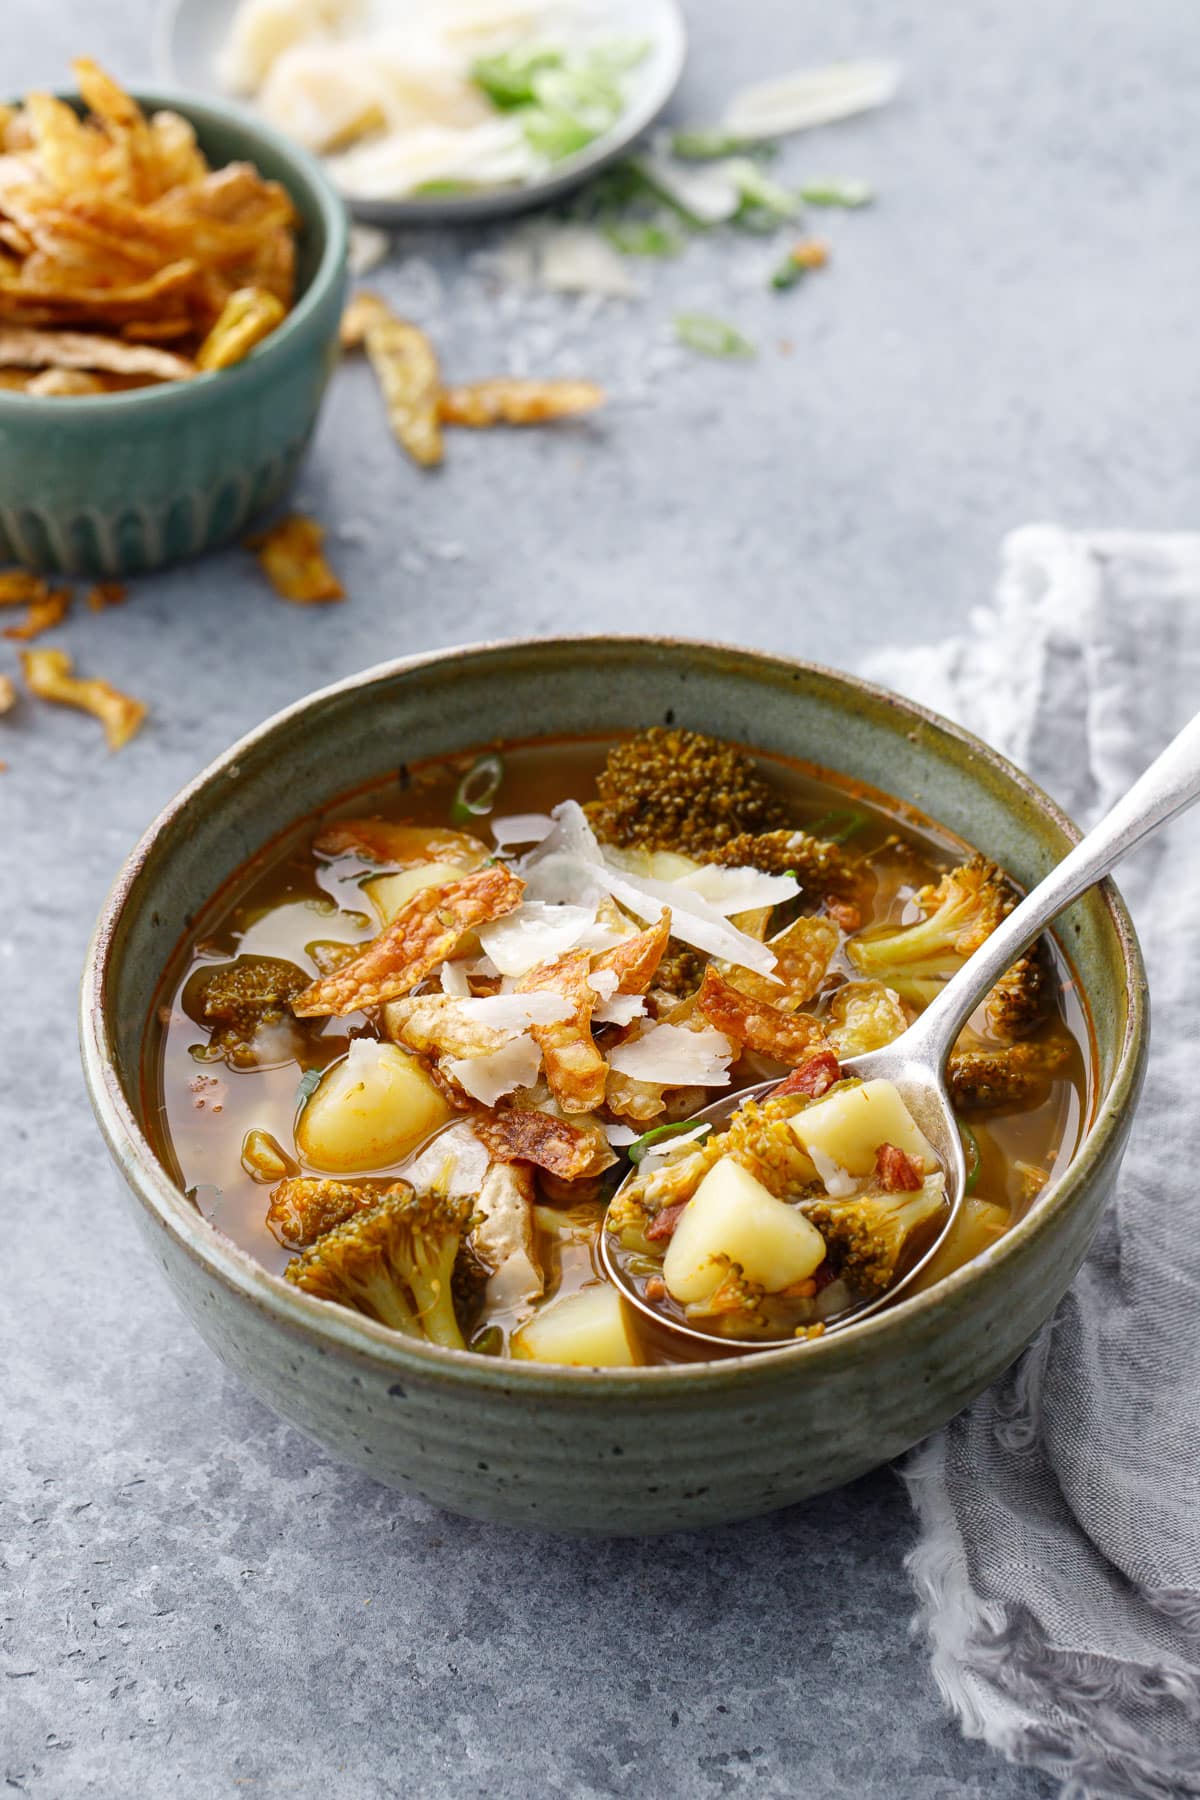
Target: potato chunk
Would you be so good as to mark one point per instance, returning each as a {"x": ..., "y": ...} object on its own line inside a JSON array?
[
  {"x": 732, "y": 1215},
  {"x": 388, "y": 893},
  {"x": 588, "y": 1329},
  {"x": 369, "y": 1110},
  {"x": 846, "y": 1128}
]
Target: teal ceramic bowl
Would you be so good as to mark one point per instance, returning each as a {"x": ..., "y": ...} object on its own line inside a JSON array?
[
  {"x": 582, "y": 1450},
  {"x": 115, "y": 484}
]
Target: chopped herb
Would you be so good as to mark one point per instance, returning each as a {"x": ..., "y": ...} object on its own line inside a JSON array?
[
  {"x": 837, "y": 827},
  {"x": 508, "y": 79},
  {"x": 837, "y": 193},
  {"x": 476, "y": 792},
  {"x": 645, "y": 237},
  {"x": 763, "y": 203},
  {"x": 308, "y": 1083},
  {"x": 443, "y": 187},
  {"x": 650, "y": 1140},
  {"x": 706, "y": 146},
  {"x": 973, "y": 1155},
  {"x": 712, "y": 337}
]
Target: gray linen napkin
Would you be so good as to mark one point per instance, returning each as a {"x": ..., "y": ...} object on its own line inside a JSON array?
[{"x": 1058, "y": 1568}]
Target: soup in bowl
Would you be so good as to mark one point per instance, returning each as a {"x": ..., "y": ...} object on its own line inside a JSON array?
[{"x": 376, "y": 1064}]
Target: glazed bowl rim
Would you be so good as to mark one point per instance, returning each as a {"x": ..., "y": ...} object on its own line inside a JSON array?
[
  {"x": 335, "y": 221},
  {"x": 354, "y": 1335}
]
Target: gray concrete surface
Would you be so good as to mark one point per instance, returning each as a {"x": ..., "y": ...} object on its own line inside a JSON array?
[{"x": 193, "y": 1600}]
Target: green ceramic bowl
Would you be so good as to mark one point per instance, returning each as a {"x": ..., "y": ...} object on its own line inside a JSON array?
[
  {"x": 119, "y": 483},
  {"x": 582, "y": 1450}
]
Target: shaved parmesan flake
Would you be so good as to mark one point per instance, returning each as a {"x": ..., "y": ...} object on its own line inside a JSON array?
[
  {"x": 707, "y": 193},
  {"x": 740, "y": 890},
  {"x": 517, "y": 1012},
  {"x": 488, "y": 1078},
  {"x": 693, "y": 919},
  {"x": 455, "y": 1161},
  {"x": 521, "y": 828},
  {"x": 484, "y": 968},
  {"x": 569, "y": 866},
  {"x": 622, "y": 1009},
  {"x": 534, "y": 933},
  {"x": 673, "y": 1056},
  {"x": 454, "y": 980},
  {"x": 838, "y": 1184},
  {"x": 620, "y": 1135},
  {"x": 810, "y": 97},
  {"x": 605, "y": 982}
]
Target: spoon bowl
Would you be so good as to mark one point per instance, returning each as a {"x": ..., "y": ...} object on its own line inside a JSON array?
[{"x": 915, "y": 1061}]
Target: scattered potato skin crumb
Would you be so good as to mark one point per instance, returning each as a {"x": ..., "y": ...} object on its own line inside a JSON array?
[
  {"x": 289, "y": 553},
  {"x": 8, "y": 693},
  {"x": 810, "y": 253},
  {"x": 20, "y": 587},
  {"x": 510, "y": 401},
  {"x": 106, "y": 594},
  {"x": 49, "y": 675},
  {"x": 362, "y": 311},
  {"x": 45, "y": 613}
]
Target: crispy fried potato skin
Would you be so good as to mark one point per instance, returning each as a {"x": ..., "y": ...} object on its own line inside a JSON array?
[
  {"x": 574, "y": 1066},
  {"x": 293, "y": 562},
  {"x": 48, "y": 674},
  {"x": 422, "y": 935},
  {"x": 526, "y": 1134},
  {"x": 786, "y": 1036}
]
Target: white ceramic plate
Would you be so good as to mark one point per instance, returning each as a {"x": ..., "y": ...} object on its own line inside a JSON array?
[{"x": 191, "y": 32}]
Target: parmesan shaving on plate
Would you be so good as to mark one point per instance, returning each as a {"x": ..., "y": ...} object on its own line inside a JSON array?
[
  {"x": 488, "y": 1078},
  {"x": 521, "y": 828},
  {"x": 673, "y": 1056},
  {"x": 455, "y": 1160},
  {"x": 604, "y": 982},
  {"x": 569, "y": 866},
  {"x": 534, "y": 933}
]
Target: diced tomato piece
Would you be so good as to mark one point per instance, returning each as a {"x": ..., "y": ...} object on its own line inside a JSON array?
[
  {"x": 897, "y": 1172},
  {"x": 814, "y": 1076}
]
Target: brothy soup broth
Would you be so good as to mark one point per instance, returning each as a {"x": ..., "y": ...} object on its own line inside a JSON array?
[{"x": 308, "y": 1118}]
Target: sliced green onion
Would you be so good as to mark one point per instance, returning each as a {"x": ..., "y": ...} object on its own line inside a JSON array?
[
  {"x": 488, "y": 1342},
  {"x": 837, "y": 827},
  {"x": 837, "y": 193},
  {"x": 476, "y": 792},
  {"x": 650, "y": 1139},
  {"x": 645, "y": 237},
  {"x": 706, "y": 146},
  {"x": 763, "y": 202},
  {"x": 444, "y": 186},
  {"x": 309, "y": 1081},
  {"x": 973, "y": 1155},
  {"x": 712, "y": 337},
  {"x": 508, "y": 79}
]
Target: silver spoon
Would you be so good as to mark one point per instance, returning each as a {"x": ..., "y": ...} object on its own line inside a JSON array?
[{"x": 916, "y": 1060}]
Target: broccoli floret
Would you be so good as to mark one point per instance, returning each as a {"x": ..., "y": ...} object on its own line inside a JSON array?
[
  {"x": 394, "y": 1262},
  {"x": 1016, "y": 1005},
  {"x": 820, "y": 868},
  {"x": 733, "y": 1297},
  {"x": 1007, "y": 1079},
  {"x": 670, "y": 789},
  {"x": 681, "y": 970},
  {"x": 962, "y": 910},
  {"x": 244, "y": 1001},
  {"x": 304, "y": 1207},
  {"x": 866, "y": 1234}
]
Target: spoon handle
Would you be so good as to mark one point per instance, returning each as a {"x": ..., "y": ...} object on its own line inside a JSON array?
[{"x": 1169, "y": 786}]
